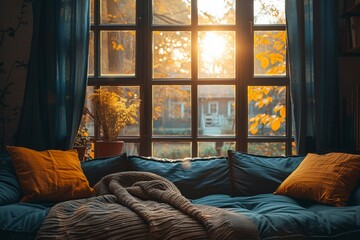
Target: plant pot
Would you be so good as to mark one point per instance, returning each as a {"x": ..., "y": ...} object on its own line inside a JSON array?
[
  {"x": 81, "y": 152},
  {"x": 108, "y": 148}
]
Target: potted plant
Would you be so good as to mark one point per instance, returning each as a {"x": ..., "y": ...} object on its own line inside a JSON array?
[{"x": 112, "y": 113}]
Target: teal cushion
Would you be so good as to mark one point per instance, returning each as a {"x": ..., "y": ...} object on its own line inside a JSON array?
[
  {"x": 96, "y": 169},
  {"x": 21, "y": 220},
  {"x": 10, "y": 191},
  {"x": 253, "y": 174},
  {"x": 196, "y": 177}
]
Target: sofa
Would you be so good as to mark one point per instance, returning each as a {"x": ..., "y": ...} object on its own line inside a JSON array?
[{"x": 240, "y": 184}]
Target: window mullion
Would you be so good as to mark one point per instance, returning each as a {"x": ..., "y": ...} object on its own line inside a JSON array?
[
  {"x": 244, "y": 66},
  {"x": 194, "y": 77},
  {"x": 143, "y": 73}
]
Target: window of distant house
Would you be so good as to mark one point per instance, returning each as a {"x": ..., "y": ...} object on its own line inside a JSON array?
[{"x": 211, "y": 74}]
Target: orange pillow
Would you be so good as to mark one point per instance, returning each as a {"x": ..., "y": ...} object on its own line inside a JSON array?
[
  {"x": 327, "y": 178},
  {"x": 51, "y": 175}
]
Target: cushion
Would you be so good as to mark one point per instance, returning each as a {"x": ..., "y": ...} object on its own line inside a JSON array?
[
  {"x": 96, "y": 169},
  {"x": 327, "y": 179},
  {"x": 49, "y": 176},
  {"x": 254, "y": 174},
  {"x": 21, "y": 220},
  {"x": 195, "y": 177},
  {"x": 9, "y": 187}
]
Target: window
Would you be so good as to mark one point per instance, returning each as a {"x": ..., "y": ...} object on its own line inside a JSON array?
[{"x": 211, "y": 74}]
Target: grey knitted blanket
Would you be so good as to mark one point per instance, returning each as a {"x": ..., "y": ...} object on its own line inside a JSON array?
[{"x": 139, "y": 205}]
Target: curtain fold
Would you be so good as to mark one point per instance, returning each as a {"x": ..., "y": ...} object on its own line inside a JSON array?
[
  {"x": 312, "y": 46},
  {"x": 57, "y": 75}
]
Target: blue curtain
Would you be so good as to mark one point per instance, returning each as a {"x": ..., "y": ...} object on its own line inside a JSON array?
[
  {"x": 312, "y": 45},
  {"x": 57, "y": 75}
]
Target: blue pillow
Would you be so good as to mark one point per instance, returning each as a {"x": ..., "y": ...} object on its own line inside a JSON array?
[
  {"x": 21, "y": 220},
  {"x": 252, "y": 174},
  {"x": 96, "y": 169},
  {"x": 10, "y": 191},
  {"x": 195, "y": 178}
]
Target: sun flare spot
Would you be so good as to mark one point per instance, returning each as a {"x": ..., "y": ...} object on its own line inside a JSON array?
[
  {"x": 216, "y": 8},
  {"x": 212, "y": 46}
]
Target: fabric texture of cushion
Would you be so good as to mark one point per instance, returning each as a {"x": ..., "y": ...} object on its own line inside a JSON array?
[
  {"x": 327, "y": 179},
  {"x": 49, "y": 176},
  {"x": 9, "y": 186},
  {"x": 22, "y": 220},
  {"x": 253, "y": 174},
  {"x": 96, "y": 169},
  {"x": 195, "y": 177}
]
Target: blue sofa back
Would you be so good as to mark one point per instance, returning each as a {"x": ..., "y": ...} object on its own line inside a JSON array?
[{"x": 195, "y": 178}]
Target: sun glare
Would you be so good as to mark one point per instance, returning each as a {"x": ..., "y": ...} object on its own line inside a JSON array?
[
  {"x": 212, "y": 46},
  {"x": 216, "y": 8}
]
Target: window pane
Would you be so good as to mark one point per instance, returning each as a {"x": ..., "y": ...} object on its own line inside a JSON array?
[
  {"x": 171, "y": 150},
  {"x": 216, "y": 110},
  {"x": 118, "y": 12},
  {"x": 269, "y": 11},
  {"x": 118, "y": 53},
  {"x": 270, "y": 53},
  {"x": 91, "y": 54},
  {"x": 216, "y": 12},
  {"x": 171, "y": 54},
  {"x": 216, "y": 54},
  {"x": 267, "y": 148},
  {"x": 131, "y": 148},
  {"x": 208, "y": 149},
  {"x": 131, "y": 94},
  {"x": 87, "y": 118},
  {"x": 267, "y": 110},
  {"x": 171, "y": 12},
  {"x": 171, "y": 110},
  {"x": 293, "y": 148}
]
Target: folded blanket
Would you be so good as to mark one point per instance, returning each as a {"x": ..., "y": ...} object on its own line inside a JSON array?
[{"x": 140, "y": 205}]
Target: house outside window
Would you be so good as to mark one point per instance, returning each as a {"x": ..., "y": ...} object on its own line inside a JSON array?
[{"x": 211, "y": 74}]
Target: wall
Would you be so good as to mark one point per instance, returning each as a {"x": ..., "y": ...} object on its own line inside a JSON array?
[{"x": 15, "y": 42}]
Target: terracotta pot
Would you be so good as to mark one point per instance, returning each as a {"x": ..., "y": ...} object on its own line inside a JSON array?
[
  {"x": 108, "y": 148},
  {"x": 81, "y": 152}
]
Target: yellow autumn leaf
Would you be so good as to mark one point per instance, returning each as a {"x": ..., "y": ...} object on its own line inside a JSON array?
[
  {"x": 158, "y": 109},
  {"x": 120, "y": 47},
  {"x": 259, "y": 56},
  {"x": 259, "y": 104},
  {"x": 276, "y": 58},
  {"x": 265, "y": 62},
  {"x": 266, "y": 90},
  {"x": 283, "y": 112},
  {"x": 264, "y": 120},
  {"x": 113, "y": 43},
  {"x": 254, "y": 128},
  {"x": 283, "y": 37},
  {"x": 277, "y": 108},
  {"x": 275, "y": 125}
]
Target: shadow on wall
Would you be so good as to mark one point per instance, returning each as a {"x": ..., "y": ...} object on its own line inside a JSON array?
[{"x": 15, "y": 42}]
